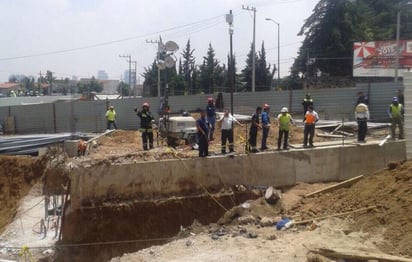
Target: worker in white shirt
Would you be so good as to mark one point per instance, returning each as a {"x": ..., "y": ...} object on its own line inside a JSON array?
[
  {"x": 227, "y": 121},
  {"x": 362, "y": 117}
]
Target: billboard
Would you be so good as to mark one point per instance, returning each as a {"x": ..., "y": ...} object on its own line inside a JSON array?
[{"x": 378, "y": 58}]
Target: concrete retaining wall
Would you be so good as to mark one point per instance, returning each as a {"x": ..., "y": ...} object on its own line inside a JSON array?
[{"x": 154, "y": 180}]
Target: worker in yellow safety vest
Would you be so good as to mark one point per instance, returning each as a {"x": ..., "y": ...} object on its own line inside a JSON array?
[
  {"x": 284, "y": 119},
  {"x": 111, "y": 118},
  {"x": 396, "y": 112}
]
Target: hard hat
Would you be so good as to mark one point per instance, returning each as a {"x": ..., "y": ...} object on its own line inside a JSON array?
[
  {"x": 111, "y": 107},
  {"x": 284, "y": 110},
  {"x": 209, "y": 99},
  {"x": 266, "y": 106},
  {"x": 146, "y": 104},
  {"x": 395, "y": 99}
]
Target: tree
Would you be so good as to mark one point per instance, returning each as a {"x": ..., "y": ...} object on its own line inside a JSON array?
[
  {"x": 211, "y": 73},
  {"x": 335, "y": 25},
  {"x": 123, "y": 89},
  {"x": 263, "y": 74},
  {"x": 92, "y": 86},
  {"x": 188, "y": 67},
  {"x": 247, "y": 71}
]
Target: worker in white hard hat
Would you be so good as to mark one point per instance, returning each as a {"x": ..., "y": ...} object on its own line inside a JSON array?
[
  {"x": 283, "y": 120},
  {"x": 396, "y": 112},
  {"x": 111, "y": 118}
]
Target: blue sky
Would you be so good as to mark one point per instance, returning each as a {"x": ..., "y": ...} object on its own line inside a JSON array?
[{"x": 76, "y": 37}]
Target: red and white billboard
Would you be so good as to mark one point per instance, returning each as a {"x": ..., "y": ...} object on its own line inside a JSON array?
[{"x": 378, "y": 58}]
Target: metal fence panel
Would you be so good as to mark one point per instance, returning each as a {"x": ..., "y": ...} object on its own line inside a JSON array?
[{"x": 89, "y": 116}]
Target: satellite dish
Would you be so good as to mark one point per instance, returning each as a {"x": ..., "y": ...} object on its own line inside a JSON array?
[
  {"x": 171, "y": 46},
  {"x": 161, "y": 64},
  {"x": 169, "y": 62}
]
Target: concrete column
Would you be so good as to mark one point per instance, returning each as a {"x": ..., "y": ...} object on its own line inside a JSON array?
[{"x": 407, "y": 82}]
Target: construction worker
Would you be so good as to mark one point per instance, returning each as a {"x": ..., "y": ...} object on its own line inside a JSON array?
[
  {"x": 311, "y": 117},
  {"x": 284, "y": 119},
  {"x": 227, "y": 130},
  {"x": 396, "y": 112},
  {"x": 265, "y": 125},
  {"x": 362, "y": 117},
  {"x": 401, "y": 98},
  {"x": 111, "y": 118},
  {"x": 211, "y": 116},
  {"x": 146, "y": 120},
  {"x": 255, "y": 126},
  {"x": 362, "y": 99},
  {"x": 306, "y": 102},
  {"x": 203, "y": 127}
]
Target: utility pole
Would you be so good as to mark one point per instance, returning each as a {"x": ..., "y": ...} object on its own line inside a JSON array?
[
  {"x": 229, "y": 20},
  {"x": 398, "y": 25},
  {"x": 39, "y": 83},
  {"x": 135, "y": 78},
  {"x": 253, "y": 45},
  {"x": 158, "y": 69},
  {"x": 129, "y": 60}
]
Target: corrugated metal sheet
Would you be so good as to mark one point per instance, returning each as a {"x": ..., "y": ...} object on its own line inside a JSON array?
[{"x": 89, "y": 116}]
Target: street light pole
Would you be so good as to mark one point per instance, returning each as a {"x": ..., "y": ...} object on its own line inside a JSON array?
[
  {"x": 229, "y": 20},
  {"x": 278, "y": 69},
  {"x": 398, "y": 25}
]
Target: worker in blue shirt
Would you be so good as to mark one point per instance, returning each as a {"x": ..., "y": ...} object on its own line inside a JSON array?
[
  {"x": 202, "y": 126},
  {"x": 211, "y": 116},
  {"x": 265, "y": 125}
]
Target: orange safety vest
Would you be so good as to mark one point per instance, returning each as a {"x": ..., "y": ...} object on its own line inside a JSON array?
[{"x": 310, "y": 118}]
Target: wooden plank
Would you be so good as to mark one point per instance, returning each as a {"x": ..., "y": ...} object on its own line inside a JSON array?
[
  {"x": 336, "y": 186},
  {"x": 358, "y": 255},
  {"x": 336, "y": 129},
  {"x": 329, "y": 135},
  {"x": 334, "y": 215}
]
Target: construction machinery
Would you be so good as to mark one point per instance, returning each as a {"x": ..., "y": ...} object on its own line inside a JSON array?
[{"x": 177, "y": 129}]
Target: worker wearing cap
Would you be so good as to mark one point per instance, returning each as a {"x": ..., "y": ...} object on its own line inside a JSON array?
[
  {"x": 227, "y": 130},
  {"x": 146, "y": 119},
  {"x": 211, "y": 116},
  {"x": 111, "y": 118},
  {"x": 202, "y": 126},
  {"x": 306, "y": 102},
  {"x": 395, "y": 112},
  {"x": 254, "y": 128},
  {"x": 265, "y": 125},
  {"x": 311, "y": 117},
  {"x": 362, "y": 117},
  {"x": 284, "y": 119}
]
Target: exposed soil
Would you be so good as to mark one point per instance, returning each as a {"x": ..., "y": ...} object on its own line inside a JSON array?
[
  {"x": 123, "y": 146},
  {"x": 243, "y": 236},
  {"x": 17, "y": 176},
  {"x": 244, "y": 233}
]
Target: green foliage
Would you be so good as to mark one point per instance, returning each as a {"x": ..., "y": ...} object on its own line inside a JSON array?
[
  {"x": 123, "y": 88},
  {"x": 92, "y": 86},
  {"x": 263, "y": 75},
  {"x": 335, "y": 25}
]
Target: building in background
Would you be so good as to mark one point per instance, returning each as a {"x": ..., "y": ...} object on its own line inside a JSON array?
[{"x": 102, "y": 75}]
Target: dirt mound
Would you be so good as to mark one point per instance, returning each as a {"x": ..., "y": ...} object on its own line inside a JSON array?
[
  {"x": 17, "y": 176},
  {"x": 389, "y": 190}
]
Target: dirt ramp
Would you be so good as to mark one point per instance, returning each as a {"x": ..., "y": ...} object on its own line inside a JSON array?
[
  {"x": 98, "y": 233},
  {"x": 389, "y": 190},
  {"x": 17, "y": 176}
]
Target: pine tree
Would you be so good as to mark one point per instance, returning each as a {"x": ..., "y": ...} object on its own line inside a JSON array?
[{"x": 188, "y": 67}]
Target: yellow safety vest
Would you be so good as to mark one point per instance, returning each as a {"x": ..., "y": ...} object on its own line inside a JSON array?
[{"x": 111, "y": 115}]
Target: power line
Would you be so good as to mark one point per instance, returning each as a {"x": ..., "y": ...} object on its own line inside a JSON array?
[{"x": 109, "y": 42}]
